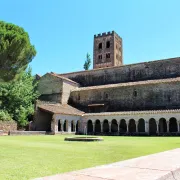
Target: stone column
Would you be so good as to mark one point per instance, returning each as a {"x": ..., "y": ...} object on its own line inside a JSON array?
[
  {"x": 178, "y": 126},
  {"x": 157, "y": 126},
  {"x": 118, "y": 123},
  {"x": 101, "y": 127},
  {"x": 136, "y": 122},
  {"x": 127, "y": 124},
  {"x": 53, "y": 125},
  {"x": 109, "y": 126},
  {"x": 56, "y": 125},
  {"x": 62, "y": 126},
  {"x": 167, "y": 122},
  {"x": 93, "y": 123},
  {"x": 69, "y": 126},
  {"x": 147, "y": 127},
  {"x": 74, "y": 126}
]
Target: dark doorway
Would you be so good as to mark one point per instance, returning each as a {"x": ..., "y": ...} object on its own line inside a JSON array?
[
  {"x": 105, "y": 126},
  {"x": 152, "y": 127},
  {"x": 59, "y": 125},
  {"x": 114, "y": 126},
  {"x": 162, "y": 125},
  {"x": 173, "y": 125},
  {"x": 89, "y": 126},
  {"x": 141, "y": 125},
  {"x": 123, "y": 126},
  {"x": 97, "y": 126},
  {"x": 132, "y": 126}
]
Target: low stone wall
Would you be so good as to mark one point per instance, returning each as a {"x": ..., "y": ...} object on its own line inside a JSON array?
[
  {"x": 15, "y": 133},
  {"x": 6, "y": 126}
]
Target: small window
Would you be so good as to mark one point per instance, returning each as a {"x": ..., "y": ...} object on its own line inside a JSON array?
[
  {"x": 107, "y": 55},
  {"x": 116, "y": 46},
  {"x": 100, "y": 57},
  {"x": 100, "y": 45},
  {"x": 135, "y": 93},
  {"x": 106, "y": 96},
  {"x": 78, "y": 97},
  {"x": 108, "y": 44}
]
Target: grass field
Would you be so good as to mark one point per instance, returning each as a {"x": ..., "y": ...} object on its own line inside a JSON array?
[{"x": 27, "y": 157}]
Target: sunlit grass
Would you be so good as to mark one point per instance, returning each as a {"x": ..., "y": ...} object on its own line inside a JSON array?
[{"x": 27, "y": 157}]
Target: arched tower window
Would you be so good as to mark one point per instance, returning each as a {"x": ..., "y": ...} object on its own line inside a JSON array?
[
  {"x": 100, "y": 45},
  {"x": 108, "y": 44}
]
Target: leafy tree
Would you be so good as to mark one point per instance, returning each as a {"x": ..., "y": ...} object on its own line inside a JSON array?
[
  {"x": 5, "y": 116},
  {"x": 18, "y": 97},
  {"x": 16, "y": 51},
  {"x": 87, "y": 63}
]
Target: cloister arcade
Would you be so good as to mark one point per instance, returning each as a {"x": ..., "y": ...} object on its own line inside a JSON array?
[
  {"x": 152, "y": 126},
  {"x": 67, "y": 126},
  {"x": 128, "y": 124}
]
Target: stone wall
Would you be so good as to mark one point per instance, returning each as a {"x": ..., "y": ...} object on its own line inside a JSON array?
[
  {"x": 8, "y": 126},
  {"x": 135, "y": 72},
  {"x": 15, "y": 133},
  {"x": 50, "y": 88},
  {"x": 66, "y": 89},
  {"x": 151, "y": 95},
  {"x": 42, "y": 121}
]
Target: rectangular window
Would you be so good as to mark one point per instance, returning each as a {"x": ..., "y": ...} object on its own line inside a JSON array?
[
  {"x": 107, "y": 55},
  {"x": 100, "y": 56}
]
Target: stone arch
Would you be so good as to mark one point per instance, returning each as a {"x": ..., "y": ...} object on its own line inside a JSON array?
[
  {"x": 173, "y": 125},
  {"x": 65, "y": 125},
  {"x": 89, "y": 126},
  {"x": 114, "y": 126},
  {"x": 132, "y": 125},
  {"x": 152, "y": 126},
  {"x": 123, "y": 126},
  {"x": 105, "y": 126},
  {"x": 162, "y": 125},
  {"x": 97, "y": 126},
  {"x": 141, "y": 125},
  {"x": 59, "y": 125}
]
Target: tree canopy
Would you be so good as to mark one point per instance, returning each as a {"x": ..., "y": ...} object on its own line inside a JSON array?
[
  {"x": 17, "y": 98},
  {"x": 16, "y": 51},
  {"x": 87, "y": 63}
]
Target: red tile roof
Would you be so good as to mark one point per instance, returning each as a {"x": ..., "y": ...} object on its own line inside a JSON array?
[{"x": 60, "y": 109}]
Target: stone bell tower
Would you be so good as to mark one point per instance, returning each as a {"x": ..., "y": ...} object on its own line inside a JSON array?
[{"x": 107, "y": 50}]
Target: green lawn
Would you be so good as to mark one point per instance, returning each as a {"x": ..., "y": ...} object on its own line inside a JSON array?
[{"x": 27, "y": 157}]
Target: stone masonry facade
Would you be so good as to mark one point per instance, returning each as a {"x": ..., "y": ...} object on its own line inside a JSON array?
[
  {"x": 112, "y": 98},
  {"x": 7, "y": 126}
]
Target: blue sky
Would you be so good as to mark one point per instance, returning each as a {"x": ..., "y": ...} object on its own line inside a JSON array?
[{"x": 62, "y": 30}]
